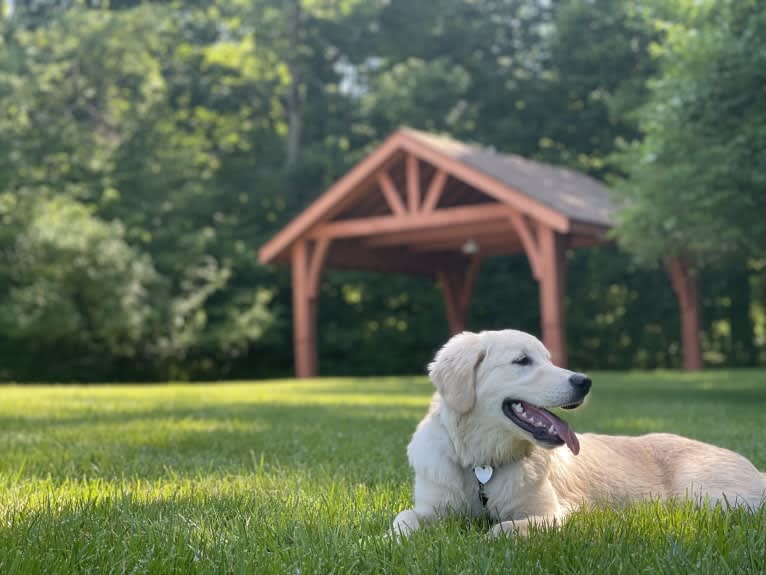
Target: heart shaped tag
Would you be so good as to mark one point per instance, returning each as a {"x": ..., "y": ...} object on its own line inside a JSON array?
[{"x": 483, "y": 473}]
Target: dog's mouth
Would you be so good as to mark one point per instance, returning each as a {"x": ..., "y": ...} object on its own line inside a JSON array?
[{"x": 544, "y": 426}]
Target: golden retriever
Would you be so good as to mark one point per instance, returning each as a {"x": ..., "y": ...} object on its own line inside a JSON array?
[{"x": 489, "y": 444}]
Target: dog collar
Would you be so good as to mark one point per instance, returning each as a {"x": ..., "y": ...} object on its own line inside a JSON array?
[{"x": 483, "y": 474}]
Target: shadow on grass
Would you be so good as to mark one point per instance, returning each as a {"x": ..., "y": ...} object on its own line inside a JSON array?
[
  {"x": 360, "y": 440},
  {"x": 366, "y": 442}
]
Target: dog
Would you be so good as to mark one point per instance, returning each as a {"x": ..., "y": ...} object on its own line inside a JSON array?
[{"x": 489, "y": 445}]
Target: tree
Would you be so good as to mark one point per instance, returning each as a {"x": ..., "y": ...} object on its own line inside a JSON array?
[
  {"x": 695, "y": 183},
  {"x": 189, "y": 132},
  {"x": 130, "y": 113},
  {"x": 75, "y": 296}
]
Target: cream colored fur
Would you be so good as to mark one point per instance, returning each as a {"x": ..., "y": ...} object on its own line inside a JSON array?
[{"x": 465, "y": 427}]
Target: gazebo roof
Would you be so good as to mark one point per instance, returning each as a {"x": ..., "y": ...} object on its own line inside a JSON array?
[
  {"x": 419, "y": 192},
  {"x": 572, "y": 193}
]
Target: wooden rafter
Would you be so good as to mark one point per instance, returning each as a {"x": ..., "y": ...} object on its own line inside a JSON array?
[
  {"x": 435, "y": 189},
  {"x": 413, "y": 183},
  {"x": 316, "y": 263},
  {"x": 487, "y": 184},
  {"x": 392, "y": 196},
  {"x": 529, "y": 240}
]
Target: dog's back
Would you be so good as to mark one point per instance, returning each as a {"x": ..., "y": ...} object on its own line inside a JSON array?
[{"x": 620, "y": 469}]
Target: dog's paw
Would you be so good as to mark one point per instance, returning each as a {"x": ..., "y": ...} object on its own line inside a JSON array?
[
  {"x": 510, "y": 529},
  {"x": 405, "y": 523}
]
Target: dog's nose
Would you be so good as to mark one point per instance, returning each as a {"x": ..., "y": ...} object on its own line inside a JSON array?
[{"x": 580, "y": 381}]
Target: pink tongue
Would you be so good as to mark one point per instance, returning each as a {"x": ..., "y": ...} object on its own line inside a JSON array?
[{"x": 559, "y": 425}]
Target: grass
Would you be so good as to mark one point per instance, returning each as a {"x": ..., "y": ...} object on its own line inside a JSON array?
[{"x": 305, "y": 477}]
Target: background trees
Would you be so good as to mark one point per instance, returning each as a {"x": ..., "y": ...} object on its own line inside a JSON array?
[
  {"x": 704, "y": 137},
  {"x": 147, "y": 149},
  {"x": 695, "y": 179}
]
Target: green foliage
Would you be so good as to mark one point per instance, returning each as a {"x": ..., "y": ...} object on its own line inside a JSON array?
[
  {"x": 307, "y": 476},
  {"x": 600, "y": 63},
  {"x": 695, "y": 181},
  {"x": 431, "y": 95},
  {"x": 103, "y": 108},
  {"x": 72, "y": 286},
  {"x": 161, "y": 130},
  {"x": 603, "y": 327}
]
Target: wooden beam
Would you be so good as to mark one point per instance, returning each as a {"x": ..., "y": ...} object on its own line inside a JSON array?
[
  {"x": 392, "y": 260},
  {"x": 413, "y": 183},
  {"x": 392, "y": 196},
  {"x": 456, "y": 233},
  {"x": 435, "y": 189},
  {"x": 686, "y": 286},
  {"x": 318, "y": 257},
  {"x": 361, "y": 227},
  {"x": 531, "y": 246}
]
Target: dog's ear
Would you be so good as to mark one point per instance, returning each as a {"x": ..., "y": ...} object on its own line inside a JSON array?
[{"x": 453, "y": 370}]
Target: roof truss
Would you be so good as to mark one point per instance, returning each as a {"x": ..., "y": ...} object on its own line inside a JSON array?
[{"x": 407, "y": 200}]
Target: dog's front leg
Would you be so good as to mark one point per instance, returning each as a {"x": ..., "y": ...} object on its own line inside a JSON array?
[
  {"x": 433, "y": 500},
  {"x": 521, "y": 527},
  {"x": 405, "y": 523}
]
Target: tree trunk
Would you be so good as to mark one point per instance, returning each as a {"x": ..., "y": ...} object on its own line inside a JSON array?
[{"x": 686, "y": 285}]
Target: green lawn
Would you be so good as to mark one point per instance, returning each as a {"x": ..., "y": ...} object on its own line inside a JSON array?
[{"x": 298, "y": 478}]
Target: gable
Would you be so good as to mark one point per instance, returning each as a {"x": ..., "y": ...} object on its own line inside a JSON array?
[{"x": 417, "y": 181}]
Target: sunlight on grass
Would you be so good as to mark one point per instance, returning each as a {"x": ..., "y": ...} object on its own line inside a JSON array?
[{"x": 288, "y": 476}]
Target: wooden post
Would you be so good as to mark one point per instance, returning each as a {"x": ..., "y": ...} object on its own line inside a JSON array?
[
  {"x": 686, "y": 286},
  {"x": 307, "y": 270},
  {"x": 546, "y": 252},
  {"x": 552, "y": 281},
  {"x": 457, "y": 290},
  {"x": 449, "y": 284},
  {"x": 304, "y": 329}
]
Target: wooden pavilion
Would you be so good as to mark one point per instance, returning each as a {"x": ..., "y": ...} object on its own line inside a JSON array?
[{"x": 428, "y": 205}]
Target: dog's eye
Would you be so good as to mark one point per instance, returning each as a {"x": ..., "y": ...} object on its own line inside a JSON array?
[{"x": 523, "y": 360}]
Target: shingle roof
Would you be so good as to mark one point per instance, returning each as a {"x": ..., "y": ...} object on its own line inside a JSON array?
[{"x": 574, "y": 194}]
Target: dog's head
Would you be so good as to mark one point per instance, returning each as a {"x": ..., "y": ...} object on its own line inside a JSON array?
[{"x": 505, "y": 382}]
